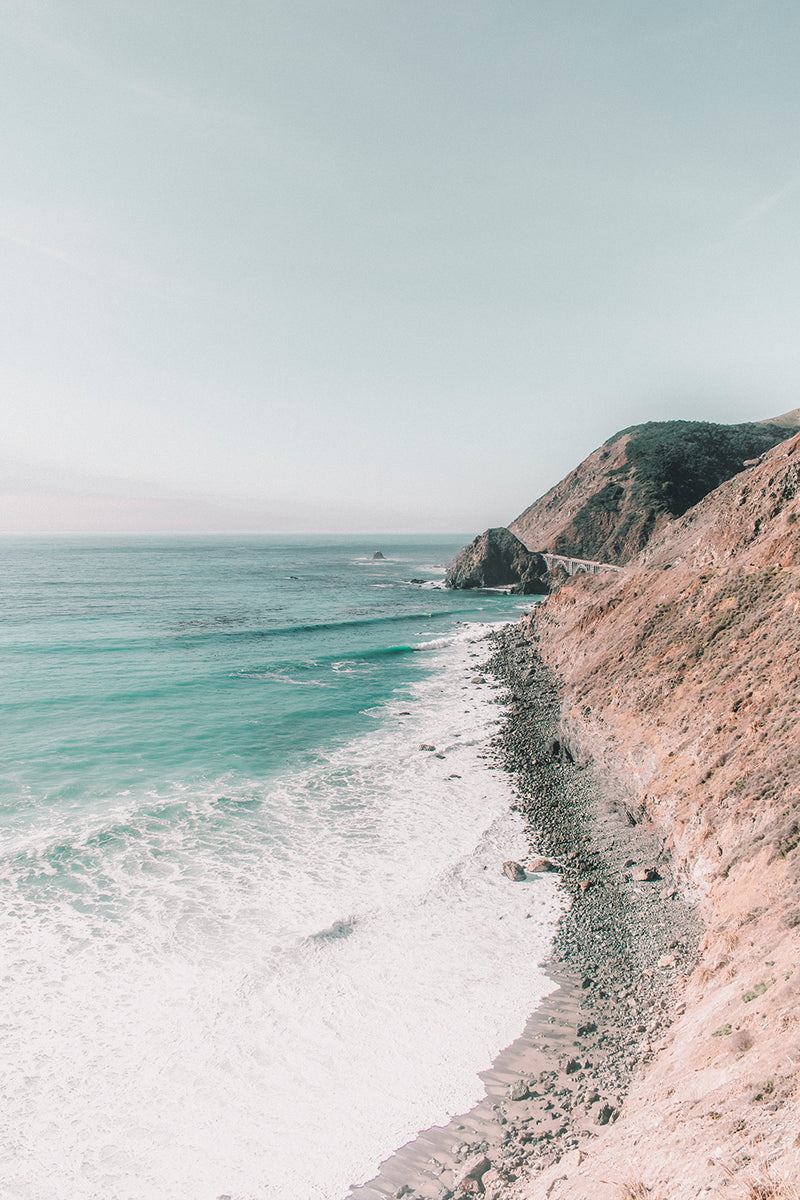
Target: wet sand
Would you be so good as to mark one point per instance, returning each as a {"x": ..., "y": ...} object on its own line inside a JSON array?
[
  {"x": 430, "y": 1164},
  {"x": 621, "y": 950}
]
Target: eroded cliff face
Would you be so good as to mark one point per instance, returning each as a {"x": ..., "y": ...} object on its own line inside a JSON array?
[
  {"x": 682, "y": 680},
  {"x": 572, "y": 518}
]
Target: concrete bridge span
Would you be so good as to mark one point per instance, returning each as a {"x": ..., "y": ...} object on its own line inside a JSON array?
[{"x": 577, "y": 566}]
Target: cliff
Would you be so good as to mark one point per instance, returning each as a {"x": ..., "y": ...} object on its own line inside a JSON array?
[
  {"x": 681, "y": 680},
  {"x": 632, "y": 487}
]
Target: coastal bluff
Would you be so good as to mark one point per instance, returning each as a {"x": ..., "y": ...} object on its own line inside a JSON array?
[
  {"x": 680, "y": 684},
  {"x": 651, "y": 732}
]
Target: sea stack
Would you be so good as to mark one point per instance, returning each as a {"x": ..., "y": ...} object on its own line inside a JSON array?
[{"x": 498, "y": 559}]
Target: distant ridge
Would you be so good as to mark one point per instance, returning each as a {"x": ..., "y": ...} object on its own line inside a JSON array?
[
  {"x": 644, "y": 477},
  {"x": 787, "y": 420}
]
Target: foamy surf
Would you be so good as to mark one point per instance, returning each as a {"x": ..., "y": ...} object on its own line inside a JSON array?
[
  {"x": 253, "y": 937},
  {"x": 266, "y": 1007}
]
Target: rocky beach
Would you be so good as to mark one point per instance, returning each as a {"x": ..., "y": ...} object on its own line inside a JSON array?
[
  {"x": 651, "y": 728},
  {"x": 623, "y": 947}
]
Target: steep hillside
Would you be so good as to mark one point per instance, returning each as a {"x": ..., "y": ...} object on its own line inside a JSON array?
[
  {"x": 681, "y": 680},
  {"x": 640, "y": 480}
]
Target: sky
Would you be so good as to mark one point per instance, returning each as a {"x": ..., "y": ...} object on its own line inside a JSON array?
[{"x": 381, "y": 265}]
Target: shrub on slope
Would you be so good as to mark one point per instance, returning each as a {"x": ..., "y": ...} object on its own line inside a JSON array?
[
  {"x": 640, "y": 480},
  {"x": 677, "y": 463}
]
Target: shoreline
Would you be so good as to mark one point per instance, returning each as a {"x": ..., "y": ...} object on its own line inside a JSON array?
[
  {"x": 429, "y": 1163},
  {"x": 622, "y": 950}
]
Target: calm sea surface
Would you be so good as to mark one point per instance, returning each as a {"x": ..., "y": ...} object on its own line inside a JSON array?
[{"x": 248, "y": 945}]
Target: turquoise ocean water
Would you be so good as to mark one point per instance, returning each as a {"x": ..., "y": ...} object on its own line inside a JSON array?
[{"x": 248, "y": 942}]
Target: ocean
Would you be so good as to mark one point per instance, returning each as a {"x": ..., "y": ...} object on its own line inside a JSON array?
[{"x": 252, "y": 937}]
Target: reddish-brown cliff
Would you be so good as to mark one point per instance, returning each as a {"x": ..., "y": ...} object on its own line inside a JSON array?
[{"x": 682, "y": 679}]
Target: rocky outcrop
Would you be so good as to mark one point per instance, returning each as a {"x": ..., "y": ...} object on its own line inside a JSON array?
[
  {"x": 634, "y": 486},
  {"x": 498, "y": 559}
]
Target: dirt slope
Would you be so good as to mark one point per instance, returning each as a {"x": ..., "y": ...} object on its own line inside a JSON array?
[{"x": 682, "y": 680}]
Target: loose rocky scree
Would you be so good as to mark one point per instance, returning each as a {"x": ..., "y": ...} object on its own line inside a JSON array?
[{"x": 623, "y": 947}]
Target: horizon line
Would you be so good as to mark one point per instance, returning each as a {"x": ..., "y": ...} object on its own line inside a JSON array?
[{"x": 66, "y": 533}]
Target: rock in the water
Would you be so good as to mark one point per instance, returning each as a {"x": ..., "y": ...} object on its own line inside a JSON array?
[
  {"x": 514, "y": 870},
  {"x": 426, "y": 746},
  {"x": 377, "y": 554},
  {"x": 497, "y": 559},
  {"x": 542, "y": 864}
]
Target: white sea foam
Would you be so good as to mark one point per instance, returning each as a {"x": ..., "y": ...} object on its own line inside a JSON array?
[{"x": 261, "y": 991}]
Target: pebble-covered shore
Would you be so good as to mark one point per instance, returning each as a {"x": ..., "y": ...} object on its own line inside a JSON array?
[{"x": 623, "y": 945}]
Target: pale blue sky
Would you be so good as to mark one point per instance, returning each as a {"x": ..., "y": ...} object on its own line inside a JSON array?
[{"x": 372, "y": 264}]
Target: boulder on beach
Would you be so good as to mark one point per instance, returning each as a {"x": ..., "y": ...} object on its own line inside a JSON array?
[
  {"x": 493, "y": 1184},
  {"x": 514, "y": 870},
  {"x": 474, "y": 1170},
  {"x": 542, "y": 864},
  {"x": 497, "y": 559}
]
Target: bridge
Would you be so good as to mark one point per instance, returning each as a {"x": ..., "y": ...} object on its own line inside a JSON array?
[{"x": 577, "y": 566}]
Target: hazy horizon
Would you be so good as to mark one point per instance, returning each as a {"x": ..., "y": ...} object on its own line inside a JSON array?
[{"x": 315, "y": 266}]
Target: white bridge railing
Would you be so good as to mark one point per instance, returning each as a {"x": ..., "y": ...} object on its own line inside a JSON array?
[{"x": 577, "y": 566}]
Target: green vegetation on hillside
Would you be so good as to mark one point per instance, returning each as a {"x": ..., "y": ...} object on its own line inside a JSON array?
[
  {"x": 611, "y": 505},
  {"x": 676, "y": 463}
]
